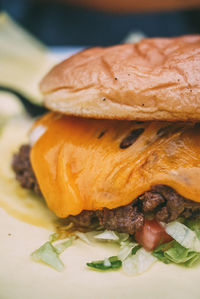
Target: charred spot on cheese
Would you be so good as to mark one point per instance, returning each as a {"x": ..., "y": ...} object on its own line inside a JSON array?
[
  {"x": 131, "y": 138},
  {"x": 101, "y": 134},
  {"x": 169, "y": 130},
  {"x": 164, "y": 131}
]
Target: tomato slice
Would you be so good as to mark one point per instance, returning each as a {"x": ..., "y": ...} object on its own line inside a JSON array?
[{"x": 151, "y": 235}]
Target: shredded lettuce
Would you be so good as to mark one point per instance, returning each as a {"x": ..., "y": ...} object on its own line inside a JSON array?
[
  {"x": 133, "y": 259},
  {"x": 194, "y": 225},
  {"x": 111, "y": 263},
  {"x": 60, "y": 247},
  {"x": 107, "y": 235},
  {"x": 183, "y": 250},
  {"x": 83, "y": 237},
  {"x": 160, "y": 251},
  {"x": 54, "y": 237},
  {"x": 180, "y": 255},
  {"x": 50, "y": 254},
  {"x": 173, "y": 252},
  {"x": 138, "y": 263},
  {"x": 183, "y": 235},
  {"x": 135, "y": 249},
  {"x": 123, "y": 237},
  {"x": 112, "y": 236},
  {"x": 126, "y": 250}
]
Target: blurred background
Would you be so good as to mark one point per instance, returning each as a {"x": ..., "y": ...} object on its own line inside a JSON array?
[{"x": 91, "y": 23}]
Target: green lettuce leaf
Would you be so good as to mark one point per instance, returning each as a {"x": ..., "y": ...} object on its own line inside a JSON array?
[
  {"x": 135, "y": 249},
  {"x": 138, "y": 263},
  {"x": 60, "y": 247},
  {"x": 109, "y": 235},
  {"x": 126, "y": 249},
  {"x": 47, "y": 254},
  {"x": 173, "y": 252},
  {"x": 111, "y": 263},
  {"x": 194, "y": 225},
  {"x": 159, "y": 252},
  {"x": 183, "y": 235},
  {"x": 54, "y": 237}
]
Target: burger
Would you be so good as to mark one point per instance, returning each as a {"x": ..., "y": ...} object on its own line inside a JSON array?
[{"x": 120, "y": 147}]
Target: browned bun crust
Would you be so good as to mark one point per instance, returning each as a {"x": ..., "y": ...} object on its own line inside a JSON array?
[{"x": 155, "y": 79}]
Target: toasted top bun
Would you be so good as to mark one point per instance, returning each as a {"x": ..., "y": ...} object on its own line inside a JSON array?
[{"x": 155, "y": 79}]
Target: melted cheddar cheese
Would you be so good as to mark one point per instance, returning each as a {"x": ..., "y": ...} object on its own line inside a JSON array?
[{"x": 80, "y": 165}]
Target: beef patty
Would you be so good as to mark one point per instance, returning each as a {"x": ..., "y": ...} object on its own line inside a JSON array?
[
  {"x": 162, "y": 201},
  {"x": 21, "y": 165}
]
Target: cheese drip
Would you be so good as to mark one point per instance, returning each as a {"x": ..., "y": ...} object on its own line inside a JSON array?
[{"x": 80, "y": 165}]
